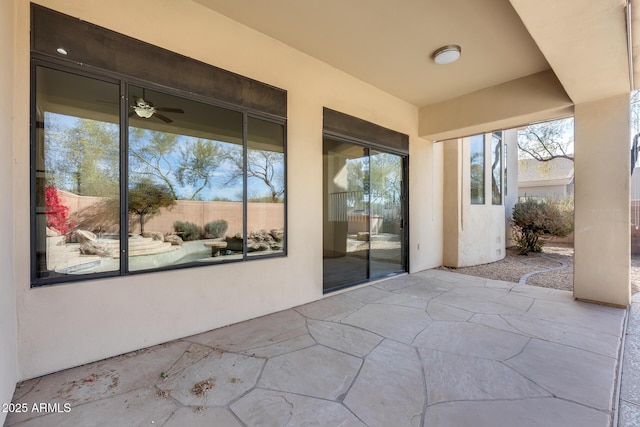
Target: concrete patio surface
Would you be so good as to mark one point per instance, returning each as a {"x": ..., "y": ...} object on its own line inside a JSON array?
[{"x": 433, "y": 349}]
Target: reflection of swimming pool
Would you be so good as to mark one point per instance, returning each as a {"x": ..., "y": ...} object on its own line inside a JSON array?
[
  {"x": 189, "y": 252},
  {"x": 195, "y": 256}
]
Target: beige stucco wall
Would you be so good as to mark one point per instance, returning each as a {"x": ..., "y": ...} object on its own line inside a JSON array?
[
  {"x": 67, "y": 325},
  {"x": 8, "y": 325},
  {"x": 473, "y": 234},
  {"x": 496, "y": 108},
  {"x": 602, "y": 207},
  {"x": 452, "y": 206}
]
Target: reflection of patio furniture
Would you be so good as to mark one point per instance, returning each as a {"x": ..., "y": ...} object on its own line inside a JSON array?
[{"x": 216, "y": 247}]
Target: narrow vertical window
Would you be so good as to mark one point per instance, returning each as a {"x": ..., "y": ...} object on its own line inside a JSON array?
[
  {"x": 76, "y": 183},
  {"x": 506, "y": 175},
  {"x": 477, "y": 169},
  {"x": 265, "y": 187},
  {"x": 496, "y": 168}
]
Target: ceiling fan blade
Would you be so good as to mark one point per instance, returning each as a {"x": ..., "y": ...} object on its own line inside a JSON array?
[
  {"x": 170, "y": 110},
  {"x": 163, "y": 118},
  {"x": 131, "y": 114}
]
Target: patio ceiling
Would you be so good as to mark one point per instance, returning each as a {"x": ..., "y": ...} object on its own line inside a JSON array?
[{"x": 389, "y": 44}]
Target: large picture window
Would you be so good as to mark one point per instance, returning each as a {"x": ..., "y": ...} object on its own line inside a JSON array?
[{"x": 129, "y": 178}]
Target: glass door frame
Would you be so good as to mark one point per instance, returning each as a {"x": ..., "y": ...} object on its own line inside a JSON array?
[{"x": 404, "y": 202}]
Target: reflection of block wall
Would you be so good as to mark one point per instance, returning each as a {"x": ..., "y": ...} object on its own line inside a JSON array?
[{"x": 260, "y": 216}]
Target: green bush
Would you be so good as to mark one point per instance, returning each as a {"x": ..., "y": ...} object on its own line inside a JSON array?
[
  {"x": 215, "y": 229},
  {"x": 533, "y": 221},
  {"x": 188, "y": 230}
]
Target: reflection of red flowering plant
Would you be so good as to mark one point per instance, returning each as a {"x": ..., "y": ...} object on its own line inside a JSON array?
[{"x": 57, "y": 213}]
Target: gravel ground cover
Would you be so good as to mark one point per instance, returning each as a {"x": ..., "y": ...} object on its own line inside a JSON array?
[{"x": 514, "y": 266}]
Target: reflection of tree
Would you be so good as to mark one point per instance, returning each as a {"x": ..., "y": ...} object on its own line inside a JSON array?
[
  {"x": 146, "y": 198},
  {"x": 82, "y": 156},
  {"x": 496, "y": 169},
  {"x": 386, "y": 177},
  {"x": 150, "y": 151},
  {"x": 381, "y": 176},
  {"x": 477, "y": 172},
  {"x": 174, "y": 160},
  {"x": 198, "y": 160},
  {"x": 267, "y": 166}
]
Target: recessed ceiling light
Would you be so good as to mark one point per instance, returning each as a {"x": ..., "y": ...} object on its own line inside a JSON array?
[
  {"x": 61, "y": 51},
  {"x": 447, "y": 54}
]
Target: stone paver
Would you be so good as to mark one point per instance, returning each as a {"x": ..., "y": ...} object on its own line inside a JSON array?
[
  {"x": 273, "y": 408},
  {"x": 510, "y": 413},
  {"x": 476, "y": 379},
  {"x": 569, "y": 373},
  {"x": 434, "y": 348},
  {"x": 470, "y": 339},
  {"x": 629, "y": 401},
  {"x": 317, "y": 372},
  {"x": 389, "y": 390}
]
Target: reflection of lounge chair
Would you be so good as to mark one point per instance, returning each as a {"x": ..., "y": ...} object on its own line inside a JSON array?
[
  {"x": 86, "y": 236},
  {"x": 90, "y": 244},
  {"x": 216, "y": 247}
]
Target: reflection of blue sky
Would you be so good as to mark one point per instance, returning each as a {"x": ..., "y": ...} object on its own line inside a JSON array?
[{"x": 222, "y": 185}]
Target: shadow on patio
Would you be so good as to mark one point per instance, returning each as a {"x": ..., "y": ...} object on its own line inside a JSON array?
[{"x": 433, "y": 348}]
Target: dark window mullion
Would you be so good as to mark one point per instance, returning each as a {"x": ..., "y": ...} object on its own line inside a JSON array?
[
  {"x": 367, "y": 153},
  {"x": 33, "y": 174},
  {"x": 124, "y": 179},
  {"x": 245, "y": 188}
]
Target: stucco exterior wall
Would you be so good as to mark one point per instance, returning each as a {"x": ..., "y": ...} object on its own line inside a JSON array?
[
  {"x": 8, "y": 322},
  {"x": 602, "y": 207},
  {"x": 71, "y": 324},
  {"x": 474, "y": 234}
]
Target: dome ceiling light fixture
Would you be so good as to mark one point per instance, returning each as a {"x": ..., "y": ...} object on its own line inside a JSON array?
[{"x": 447, "y": 54}]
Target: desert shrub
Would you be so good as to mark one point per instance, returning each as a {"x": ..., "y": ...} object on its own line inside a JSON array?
[
  {"x": 533, "y": 221},
  {"x": 215, "y": 229},
  {"x": 188, "y": 230}
]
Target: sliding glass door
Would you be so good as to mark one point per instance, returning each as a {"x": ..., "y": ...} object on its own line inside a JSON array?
[
  {"x": 364, "y": 230},
  {"x": 386, "y": 214}
]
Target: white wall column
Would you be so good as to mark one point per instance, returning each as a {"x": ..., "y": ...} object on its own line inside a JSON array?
[{"x": 602, "y": 227}]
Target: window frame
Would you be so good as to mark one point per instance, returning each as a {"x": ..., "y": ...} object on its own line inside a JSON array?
[{"x": 123, "y": 82}]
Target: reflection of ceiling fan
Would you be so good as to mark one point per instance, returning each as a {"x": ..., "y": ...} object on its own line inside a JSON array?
[{"x": 146, "y": 109}]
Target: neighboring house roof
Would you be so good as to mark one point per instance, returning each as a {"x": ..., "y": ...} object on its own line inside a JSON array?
[{"x": 533, "y": 173}]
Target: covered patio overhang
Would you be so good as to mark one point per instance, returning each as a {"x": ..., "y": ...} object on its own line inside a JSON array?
[{"x": 522, "y": 62}]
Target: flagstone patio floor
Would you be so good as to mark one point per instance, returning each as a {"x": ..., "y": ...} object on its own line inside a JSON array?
[{"x": 433, "y": 348}]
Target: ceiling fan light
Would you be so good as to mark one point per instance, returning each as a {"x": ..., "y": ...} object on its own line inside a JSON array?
[
  {"x": 145, "y": 113},
  {"x": 447, "y": 54}
]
